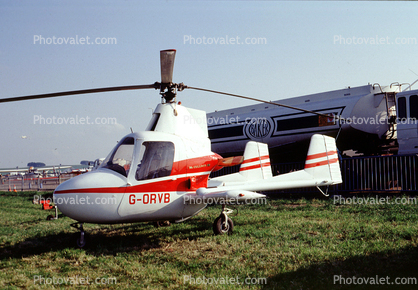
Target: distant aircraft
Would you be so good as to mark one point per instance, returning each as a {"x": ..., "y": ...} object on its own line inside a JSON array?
[{"x": 35, "y": 172}]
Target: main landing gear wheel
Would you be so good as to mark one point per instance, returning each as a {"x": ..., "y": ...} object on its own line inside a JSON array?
[
  {"x": 81, "y": 241},
  {"x": 223, "y": 224}
]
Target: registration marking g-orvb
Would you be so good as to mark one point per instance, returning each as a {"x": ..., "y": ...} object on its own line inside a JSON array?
[{"x": 150, "y": 198}]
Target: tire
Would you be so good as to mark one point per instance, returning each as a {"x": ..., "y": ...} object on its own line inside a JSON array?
[
  {"x": 50, "y": 217},
  {"x": 219, "y": 227}
]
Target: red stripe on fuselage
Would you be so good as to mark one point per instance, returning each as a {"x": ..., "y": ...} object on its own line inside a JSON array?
[
  {"x": 157, "y": 186},
  {"x": 197, "y": 168}
]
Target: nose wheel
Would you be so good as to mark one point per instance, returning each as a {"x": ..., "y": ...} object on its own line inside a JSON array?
[
  {"x": 223, "y": 224},
  {"x": 81, "y": 241}
]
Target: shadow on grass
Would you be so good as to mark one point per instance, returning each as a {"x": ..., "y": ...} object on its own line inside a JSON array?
[
  {"x": 387, "y": 266},
  {"x": 118, "y": 239}
]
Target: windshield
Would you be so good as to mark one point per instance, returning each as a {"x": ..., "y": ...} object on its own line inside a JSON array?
[
  {"x": 121, "y": 157},
  {"x": 157, "y": 160}
]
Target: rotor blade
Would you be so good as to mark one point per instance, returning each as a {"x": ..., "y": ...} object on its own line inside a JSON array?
[
  {"x": 263, "y": 101},
  {"x": 167, "y": 65},
  {"x": 80, "y": 92}
]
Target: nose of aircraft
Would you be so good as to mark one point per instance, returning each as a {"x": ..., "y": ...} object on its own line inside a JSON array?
[{"x": 91, "y": 197}]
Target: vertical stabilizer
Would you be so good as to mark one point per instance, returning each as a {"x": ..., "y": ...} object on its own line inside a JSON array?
[
  {"x": 322, "y": 159},
  {"x": 256, "y": 164}
]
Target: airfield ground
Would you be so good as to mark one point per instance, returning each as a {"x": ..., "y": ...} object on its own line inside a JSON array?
[{"x": 284, "y": 244}]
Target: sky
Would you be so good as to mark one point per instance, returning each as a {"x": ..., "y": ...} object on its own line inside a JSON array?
[{"x": 268, "y": 50}]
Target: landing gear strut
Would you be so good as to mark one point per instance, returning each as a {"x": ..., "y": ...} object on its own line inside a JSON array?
[
  {"x": 51, "y": 217},
  {"x": 81, "y": 242},
  {"x": 223, "y": 224}
]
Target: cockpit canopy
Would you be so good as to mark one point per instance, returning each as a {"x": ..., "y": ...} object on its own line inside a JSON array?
[
  {"x": 157, "y": 160},
  {"x": 120, "y": 159},
  {"x": 150, "y": 159}
]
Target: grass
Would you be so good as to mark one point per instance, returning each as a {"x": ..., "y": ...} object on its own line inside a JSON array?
[{"x": 294, "y": 244}]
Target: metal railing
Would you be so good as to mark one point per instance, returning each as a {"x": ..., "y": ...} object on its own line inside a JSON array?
[
  {"x": 21, "y": 183},
  {"x": 379, "y": 173}
]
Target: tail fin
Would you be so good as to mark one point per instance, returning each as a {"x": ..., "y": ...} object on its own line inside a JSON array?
[
  {"x": 322, "y": 159},
  {"x": 256, "y": 164}
]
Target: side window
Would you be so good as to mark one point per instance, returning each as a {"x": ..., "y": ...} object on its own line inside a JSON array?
[
  {"x": 413, "y": 107},
  {"x": 402, "y": 108},
  {"x": 157, "y": 160},
  {"x": 121, "y": 157}
]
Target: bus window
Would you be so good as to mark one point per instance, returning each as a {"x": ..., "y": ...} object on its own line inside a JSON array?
[
  {"x": 413, "y": 107},
  {"x": 402, "y": 108}
]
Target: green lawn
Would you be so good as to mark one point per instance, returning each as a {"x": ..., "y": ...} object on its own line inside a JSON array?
[{"x": 285, "y": 244}]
